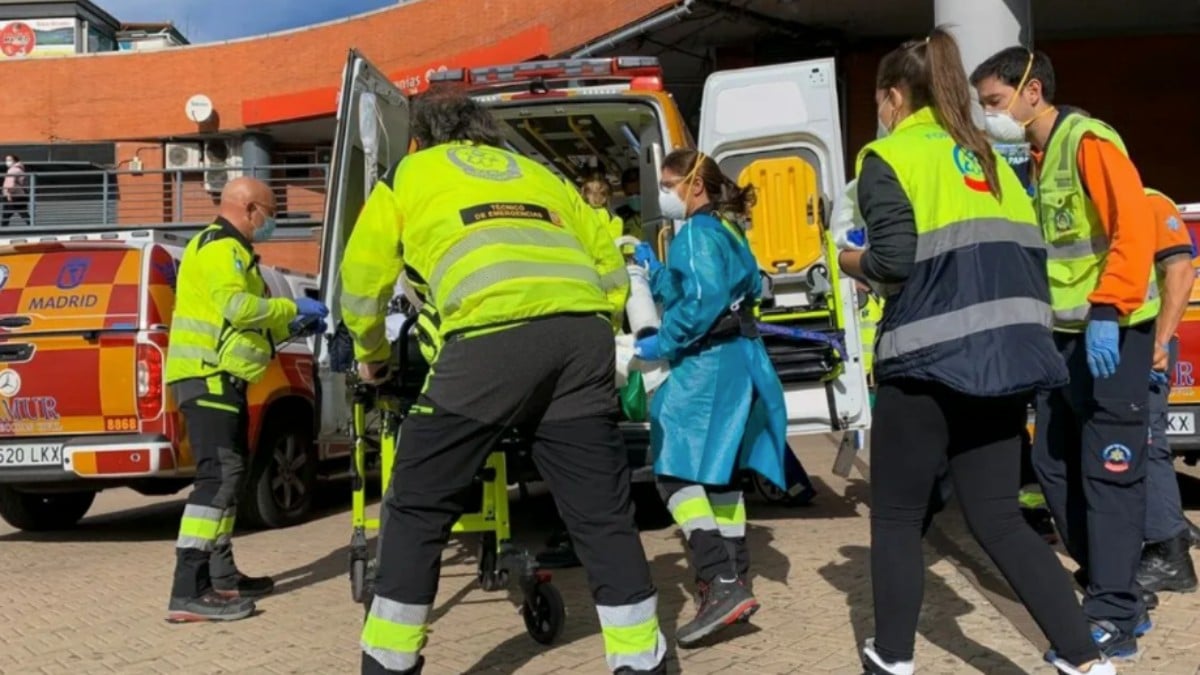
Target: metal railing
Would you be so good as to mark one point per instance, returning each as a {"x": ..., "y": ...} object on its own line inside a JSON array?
[{"x": 173, "y": 198}]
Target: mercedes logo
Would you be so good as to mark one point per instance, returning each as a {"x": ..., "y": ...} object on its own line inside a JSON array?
[{"x": 10, "y": 383}]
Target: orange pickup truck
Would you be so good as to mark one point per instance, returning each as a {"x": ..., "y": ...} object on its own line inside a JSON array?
[
  {"x": 83, "y": 408},
  {"x": 1185, "y": 393}
]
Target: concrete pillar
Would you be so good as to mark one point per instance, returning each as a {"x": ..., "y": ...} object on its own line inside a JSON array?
[
  {"x": 256, "y": 152},
  {"x": 984, "y": 27}
]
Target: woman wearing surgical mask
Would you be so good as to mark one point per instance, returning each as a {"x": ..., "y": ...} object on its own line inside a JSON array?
[
  {"x": 963, "y": 343},
  {"x": 722, "y": 408}
]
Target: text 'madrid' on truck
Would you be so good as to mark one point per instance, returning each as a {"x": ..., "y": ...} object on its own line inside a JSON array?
[
  {"x": 578, "y": 117},
  {"x": 84, "y": 320}
]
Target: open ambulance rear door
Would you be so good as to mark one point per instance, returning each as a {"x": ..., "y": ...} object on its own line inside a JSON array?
[
  {"x": 372, "y": 134},
  {"x": 778, "y": 128}
]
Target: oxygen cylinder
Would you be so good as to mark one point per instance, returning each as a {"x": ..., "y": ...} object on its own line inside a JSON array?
[{"x": 640, "y": 308}]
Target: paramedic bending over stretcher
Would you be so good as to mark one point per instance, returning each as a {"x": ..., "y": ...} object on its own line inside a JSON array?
[
  {"x": 722, "y": 407},
  {"x": 964, "y": 341},
  {"x": 525, "y": 283}
]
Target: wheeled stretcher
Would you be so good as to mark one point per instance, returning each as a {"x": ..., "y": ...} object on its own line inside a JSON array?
[{"x": 378, "y": 411}]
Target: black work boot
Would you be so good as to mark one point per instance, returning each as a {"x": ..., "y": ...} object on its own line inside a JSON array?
[
  {"x": 208, "y": 607},
  {"x": 242, "y": 586},
  {"x": 1149, "y": 598},
  {"x": 723, "y": 602},
  {"x": 559, "y": 553},
  {"x": 372, "y": 667},
  {"x": 1167, "y": 566}
]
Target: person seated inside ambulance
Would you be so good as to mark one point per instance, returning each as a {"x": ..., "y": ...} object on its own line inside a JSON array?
[{"x": 597, "y": 192}]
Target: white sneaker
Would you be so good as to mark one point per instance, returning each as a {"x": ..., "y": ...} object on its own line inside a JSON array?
[
  {"x": 875, "y": 664},
  {"x": 1101, "y": 667}
]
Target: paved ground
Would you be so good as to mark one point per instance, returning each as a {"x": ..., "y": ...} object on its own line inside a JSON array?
[{"x": 92, "y": 601}]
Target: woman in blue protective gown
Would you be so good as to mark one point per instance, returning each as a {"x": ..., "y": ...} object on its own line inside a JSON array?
[{"x": 722, "y": 408}]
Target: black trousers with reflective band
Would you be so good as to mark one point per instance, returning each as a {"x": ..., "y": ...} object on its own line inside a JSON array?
[
  {"x": 1090, "y": 456},
  {"x": 919, "y": 428},
  {"x": 715, "y": 537},
  {"x": 217, "y": 425},
  {"x": 553, "y": 380}
]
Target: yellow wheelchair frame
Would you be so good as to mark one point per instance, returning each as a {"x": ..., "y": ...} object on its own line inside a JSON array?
[{"x": 498, "y": 559}]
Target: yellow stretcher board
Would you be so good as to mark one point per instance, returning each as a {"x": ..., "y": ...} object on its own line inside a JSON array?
[{"x": 786, "y": 224}]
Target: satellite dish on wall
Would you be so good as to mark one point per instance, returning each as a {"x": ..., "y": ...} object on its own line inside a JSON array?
[{"x": 199, "y": 109}]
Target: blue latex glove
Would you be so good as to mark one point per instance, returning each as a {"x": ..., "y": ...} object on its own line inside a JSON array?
[
  {"x": 857, "y": 237},
  {"x": 644, "y": 256},
  {"x": 646, "y": 349},
  {"x": 1158, "y": 377},
  {"x": 1103, "y": 348},
  {"x": 307, "y": 307}
]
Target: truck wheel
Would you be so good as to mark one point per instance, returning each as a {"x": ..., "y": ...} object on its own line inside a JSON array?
[
  {"x": 34, "y": 512},
  {"x": 283, "y": 475}
]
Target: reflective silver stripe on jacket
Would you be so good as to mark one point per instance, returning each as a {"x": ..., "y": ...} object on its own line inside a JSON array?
[
  {"x": 491, "y": 275},
  {"x": 977, "y": 231},
  {"x": 960, "y": 324}
]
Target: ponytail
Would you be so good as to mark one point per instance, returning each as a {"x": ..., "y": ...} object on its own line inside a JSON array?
[
  {"x": 950, "y": 91},
  {"x": 733, "y": 200}
]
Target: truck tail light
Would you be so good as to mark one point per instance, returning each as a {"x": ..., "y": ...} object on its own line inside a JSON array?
[{"x": 149, "y": 381}]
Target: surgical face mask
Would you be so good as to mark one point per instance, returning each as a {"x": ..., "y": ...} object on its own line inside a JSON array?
[
  {"x": 635, "y": 203},
  {"x": 671, "y": 205},
  {"x": 9, "y": 162},
  {"x": 882, "y": 130},
  {"x": 268, "y": 228},
  {"x": 1002, "y": 127}
]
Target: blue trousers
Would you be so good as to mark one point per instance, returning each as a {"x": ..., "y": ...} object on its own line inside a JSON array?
[{"x": 1164, "y": 508}]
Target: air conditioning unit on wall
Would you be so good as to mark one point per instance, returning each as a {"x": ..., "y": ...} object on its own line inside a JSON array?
[
  {"x": 222, "y": 163},
  {"x": 183, "y": 156}
]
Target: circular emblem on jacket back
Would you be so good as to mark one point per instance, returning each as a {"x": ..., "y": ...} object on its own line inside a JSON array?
[{"x": 484, "y": 162}]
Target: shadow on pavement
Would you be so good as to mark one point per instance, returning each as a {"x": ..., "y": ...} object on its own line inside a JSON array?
[
  {"x": 160, "y": 521},
  {"x": 942, "y": 605},
  {"x": 153, "y": 522},
  {"x": 827, "y": 504}
]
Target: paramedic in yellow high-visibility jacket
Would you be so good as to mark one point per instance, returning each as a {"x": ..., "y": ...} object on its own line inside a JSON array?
[{"x": 525, "y": 282}]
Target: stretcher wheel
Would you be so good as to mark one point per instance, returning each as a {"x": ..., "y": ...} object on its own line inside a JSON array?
[
  {"x": 544, "y": 613},
  {"x": 774, "y": 495},
  {"x": 358, "y": 579}
]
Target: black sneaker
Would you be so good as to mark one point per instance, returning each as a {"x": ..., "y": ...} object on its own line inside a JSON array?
[
  {"x": 208, "y": 607},
  {"x": 242, "y": 586},
  {"x": 873, "y": 663},
  {"x": 1112, "y": 641},
  {"x": 1167, "y": 566},
  {"x": 722, "y": 603}
]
